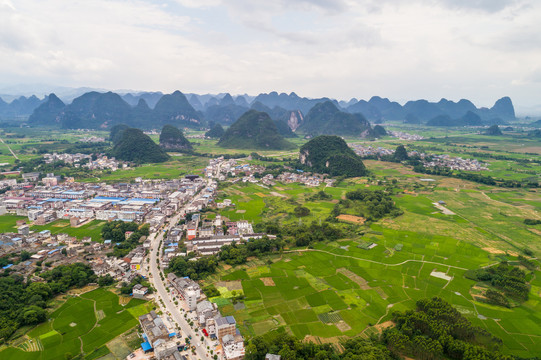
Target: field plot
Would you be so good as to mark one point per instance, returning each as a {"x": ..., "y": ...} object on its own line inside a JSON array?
[
  {"x": 92, "y": 229},
  {"x": 363, "y": 295},
  {"x": 8, "y": 223},
  {"x": 82, "y": 324}
]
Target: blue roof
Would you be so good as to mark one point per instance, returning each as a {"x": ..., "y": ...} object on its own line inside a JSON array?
[
  {"x": 108, "y": 198},
  {"x": 16, "y": 239},
  {"x": 52, "y": 251},
  {"x": 173, "y": 244},
  {"x": 7, "y": 266},
  {"x": 149, "y": 201},
  {"x": 172, "y": 334},
  {"x": 45, "y": 231},
  {"x": 71, "y": 192},
  {"x": 107, "y": 242},
  {"x": 146, "y": 346},
  {"x": 169, "y": 250}
]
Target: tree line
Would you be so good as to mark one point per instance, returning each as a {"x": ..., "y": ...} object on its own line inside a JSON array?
[
  {"x": 434, "y": 330},
  {"x": 25, "y": 303},
  {"x": 116, "y": 232}
]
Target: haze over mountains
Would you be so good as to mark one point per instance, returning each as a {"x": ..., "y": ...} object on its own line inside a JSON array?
[{"x": 290, "y": 112}]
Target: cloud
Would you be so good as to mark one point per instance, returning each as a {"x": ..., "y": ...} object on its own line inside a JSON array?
[
  {"x": 402, "y": 49},
  {"x": 483, "y": 5}
]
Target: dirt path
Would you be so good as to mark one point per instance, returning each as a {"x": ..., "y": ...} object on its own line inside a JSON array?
[
  {"x": 377, "y": 262},
  {"x": 12, "y": 153}
]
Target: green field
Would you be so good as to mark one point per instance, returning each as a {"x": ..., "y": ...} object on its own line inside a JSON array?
[
  {"x": 92, "y": 229},
  {"x": 82, "y": 325},
  {"x": 339, "y": 289},
  {"x": 8, "y": 222}
]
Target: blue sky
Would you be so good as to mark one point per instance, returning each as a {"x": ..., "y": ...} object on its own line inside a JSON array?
[{"x": 401, "y": 49}]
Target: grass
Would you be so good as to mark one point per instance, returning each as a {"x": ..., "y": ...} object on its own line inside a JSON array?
[
  {"x": 311, "y": 295},
  {"x": 92, "y": 229},
  {"x": 74, "y": 329},
  {"x": 8, "y": 222}
]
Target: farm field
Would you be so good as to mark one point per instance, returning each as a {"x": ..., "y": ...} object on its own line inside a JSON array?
[
  {"x": 82, "y": 325},
  {"x": 178, "y": 166},
  {"x": 92, "y": 229},
  {"x": 8, "y": 222},
  {"x": 341, "y": 289}
]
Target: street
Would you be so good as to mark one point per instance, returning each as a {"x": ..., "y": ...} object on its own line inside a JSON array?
[{"x": 160, "y": 286}]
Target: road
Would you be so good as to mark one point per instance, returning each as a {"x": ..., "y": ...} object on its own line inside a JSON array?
[
  {"x": 160, "y": 286},
  {"x": 12, "y": 153}
]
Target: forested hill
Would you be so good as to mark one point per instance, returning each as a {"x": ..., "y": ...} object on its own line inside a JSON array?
[
  {"x": 254, "y": 130},
  {"x": 331, "y": 155},
  {"x": 171, "y": 138},
  {"x": 326, "y": 119},
  {"x": 134, "y": 145}
]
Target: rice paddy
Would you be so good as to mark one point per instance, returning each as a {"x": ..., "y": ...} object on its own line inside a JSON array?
[{"x": 82, "y": 325}]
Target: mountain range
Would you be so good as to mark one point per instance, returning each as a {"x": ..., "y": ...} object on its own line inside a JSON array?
[{"x": 153, "y": 109}]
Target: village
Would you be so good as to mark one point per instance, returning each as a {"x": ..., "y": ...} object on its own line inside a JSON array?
[
  {"x": 43, "y": 199},
  {"x": 429, "y": 160}
]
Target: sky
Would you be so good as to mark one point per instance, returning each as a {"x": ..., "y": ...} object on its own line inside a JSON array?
[{"x": 401, "y": 49}]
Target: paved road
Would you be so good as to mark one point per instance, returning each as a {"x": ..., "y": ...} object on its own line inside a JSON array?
[{"x": 160, "y": 287}]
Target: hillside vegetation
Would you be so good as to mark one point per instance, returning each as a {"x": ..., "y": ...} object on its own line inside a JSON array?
[
  {"x": 326, "y": 119},
  {"x": 254, "y": 130},
  {"x": 330, "y": 154},
  {"x": 171, "y": 138},
  {"x": 135, "y": 146}
]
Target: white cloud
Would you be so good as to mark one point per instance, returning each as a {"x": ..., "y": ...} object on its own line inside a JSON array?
[{"x": 401, "y": 49}]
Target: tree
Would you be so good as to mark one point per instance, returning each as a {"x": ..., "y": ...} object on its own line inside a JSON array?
[
  {"x": 400, "y": 153},
  {"x": 25, "y": 255},
  {"x": 33, "y": 315},
  {"x": 106, "y": 280},
  {"x": 301, "y": 211}
]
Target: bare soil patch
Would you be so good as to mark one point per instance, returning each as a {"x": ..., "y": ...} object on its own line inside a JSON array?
[
  {"x": 274, "y": 193},
  {"x": 529, "y": 149},
  {"x": 82, "y": 290},
  {"x": 381, "y": 293},
  {"x": 493, "y": 250},
  {"x": 343, "y": 326},
  {"x": 383, "y": 326},
  {"x": 363, "y": 284},
  {"x": 233, "y": 285},
  {"x": 443, "y": 209},
  {"x": 268, "y": 281},
  {"x": 351, "y": 218},
  {"x": 240, "y": 211}
]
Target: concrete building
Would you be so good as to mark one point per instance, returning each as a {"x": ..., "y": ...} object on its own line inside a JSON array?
[
  {"x": 153, "y": 327},
  {"x": 189, "y": 290},
  {"x": 225, "y": 326}
]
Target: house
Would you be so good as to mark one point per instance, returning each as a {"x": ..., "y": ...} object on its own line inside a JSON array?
[
  {"x": 23, "y": 230},
  {"x": 153, "y": 327},
  {"x": 192, "y": 230},
  {"x": 188, "y": 289},
  {"x": 139, "y": 291},
  {"x": 272, "y": 357},
  {"x": 225, "y": 326}
]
